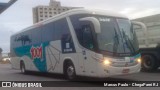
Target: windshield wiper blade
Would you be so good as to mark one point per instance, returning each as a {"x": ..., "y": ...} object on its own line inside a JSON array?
[
  {"x": 116, "y": 41},
  {"x": 127, "y": 40}
]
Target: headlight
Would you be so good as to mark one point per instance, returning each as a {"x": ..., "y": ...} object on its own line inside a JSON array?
[
  {"x": 139, "y": 60},
  {"x": 106, "y": 62}
]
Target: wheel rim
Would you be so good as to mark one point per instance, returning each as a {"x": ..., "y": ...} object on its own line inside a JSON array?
[
  {"x": 147, "y": 62},
  {"x": 70, "y": 71}
]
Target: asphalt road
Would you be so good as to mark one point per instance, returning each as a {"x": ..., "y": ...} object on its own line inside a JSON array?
[{"x": 9, "y": 74}]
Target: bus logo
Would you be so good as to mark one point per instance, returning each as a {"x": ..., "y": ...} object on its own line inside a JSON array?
[{"x": 36, "y": 52}]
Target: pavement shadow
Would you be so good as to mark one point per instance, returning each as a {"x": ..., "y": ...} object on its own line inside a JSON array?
[
  {"x": 48, "y": 75},
  {"x": 102, "y": 79},
  {"x": 80, "y": 81},
  {"x": 154, "y": 71},
  {"x": 79, "y": 78}
]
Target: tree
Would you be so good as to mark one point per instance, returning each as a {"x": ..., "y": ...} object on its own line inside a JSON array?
[{"x": 1, "y": 50}]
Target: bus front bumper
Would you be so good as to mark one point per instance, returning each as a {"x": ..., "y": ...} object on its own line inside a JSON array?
[{"x": 107, "y": 71}]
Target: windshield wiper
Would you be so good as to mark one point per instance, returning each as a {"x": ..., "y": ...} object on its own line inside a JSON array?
[
  {"x": 128, "y": 42},
  {"x": 116, "y": 41}
]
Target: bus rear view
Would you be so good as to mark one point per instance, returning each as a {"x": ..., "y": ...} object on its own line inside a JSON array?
[{"x": 78, "y": 42}]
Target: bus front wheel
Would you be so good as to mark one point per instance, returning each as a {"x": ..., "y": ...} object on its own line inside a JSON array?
[{"x": 70, "y": 71}]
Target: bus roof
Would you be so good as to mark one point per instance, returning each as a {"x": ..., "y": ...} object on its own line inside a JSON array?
[{"x": 74, "y": 12}]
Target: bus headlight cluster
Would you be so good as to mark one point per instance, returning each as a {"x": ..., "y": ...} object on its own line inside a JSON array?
[
  {"x": 139, "y": 60},
  {"x": 106, "y": 61}
]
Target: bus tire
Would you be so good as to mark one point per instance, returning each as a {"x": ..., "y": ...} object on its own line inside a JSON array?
[
  {"x": 22, "y": 67},
  {"x": 69, "y": 71},
  {"x": 149, "y": 63}
]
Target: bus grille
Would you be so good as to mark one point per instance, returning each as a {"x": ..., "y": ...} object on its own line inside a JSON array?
[{"x": 123, "y": 64}]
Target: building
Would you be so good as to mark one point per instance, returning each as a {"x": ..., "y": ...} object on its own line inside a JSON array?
[
  {"x": 41, "y": 12},
  {"x": 4, "y": 6}
]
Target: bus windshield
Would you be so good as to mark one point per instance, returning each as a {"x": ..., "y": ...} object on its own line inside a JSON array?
[{"x": 117, "y": 36}]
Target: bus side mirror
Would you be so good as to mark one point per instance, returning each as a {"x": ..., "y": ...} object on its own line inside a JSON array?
[
  {"x": 144, "y": 28},
  {"x": 95, "y": 22}
]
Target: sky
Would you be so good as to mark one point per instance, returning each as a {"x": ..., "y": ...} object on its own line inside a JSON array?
[{"x": 19, "y": 15}]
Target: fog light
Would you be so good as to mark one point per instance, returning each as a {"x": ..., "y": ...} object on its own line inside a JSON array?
[
  {"x": 106, "y": 62},
  {"x": 139, "y": 60}
]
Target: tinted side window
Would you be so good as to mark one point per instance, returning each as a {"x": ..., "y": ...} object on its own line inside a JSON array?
[
  {"x": 84, "y": 31},
  {"x": 36, "y": 36},
  {"x": 61, "y": 28},
  {"x": 17, "y": 40},
  {"x": 87, "y": 37},
  {"x": 48, "y": 32},
  {"x": 55, "y": 30},
  {"x": 23, "y": 39},
  {"x": 63, "y": 34},
  {"x": 77, "y": 26},
  {"x": 27, "y": 38}
]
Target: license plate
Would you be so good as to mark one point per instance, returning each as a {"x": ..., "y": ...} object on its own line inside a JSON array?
[{"x": 125, "y": 71}]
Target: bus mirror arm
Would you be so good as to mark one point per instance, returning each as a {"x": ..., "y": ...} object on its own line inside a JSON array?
[
  {"x": 95, "y": 22},
  {"x": 144, "y": 28}
]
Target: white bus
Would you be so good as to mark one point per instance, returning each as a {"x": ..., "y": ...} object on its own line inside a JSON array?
[{"x": 79, "y": 42}]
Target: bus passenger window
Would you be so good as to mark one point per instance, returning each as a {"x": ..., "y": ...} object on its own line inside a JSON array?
[{"x": 87, "y": 37}]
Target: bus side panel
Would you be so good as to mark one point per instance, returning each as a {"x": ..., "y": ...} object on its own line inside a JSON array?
[
  {"x": 42, "y": 47},
  {"x": 53, "y": 53},
  {"x": 33, "y": 56}
]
